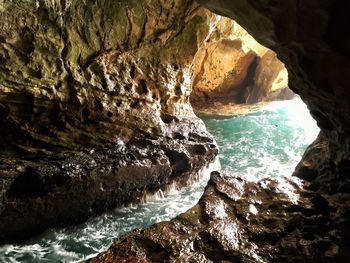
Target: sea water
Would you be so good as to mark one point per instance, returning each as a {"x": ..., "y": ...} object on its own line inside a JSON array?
[{"x": 268, "y": 143}]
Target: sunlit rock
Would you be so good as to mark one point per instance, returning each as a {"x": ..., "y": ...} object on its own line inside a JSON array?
[
  {"x": 219, "y": 72},
  {"x": 270, "y": 81},
  {"x": 94, "y": 112},
  {"x": 233, "y": 68}
]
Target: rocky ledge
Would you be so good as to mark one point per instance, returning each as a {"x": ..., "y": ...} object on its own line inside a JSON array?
[
  {"x": 94, "y": 107},
  {"x": 272, "y": 220},
  {"x": 95, "y": 103},
  {"x": 69, "y": 187}
]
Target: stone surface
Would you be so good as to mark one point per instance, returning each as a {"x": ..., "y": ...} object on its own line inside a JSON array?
[
  {"x": 282, "y": 220},
  {"x": 305, "y": 218},
  {"x": 310, "y": 40},
  {"x": 94, "y": 106},
  {"x": 270, "y": 81},
  {"x": 69, "y": 187},
  {"x": 77, "y": 73},
  {"x": 79, "y": 79},
  {"x": 309, "y": 37},
  {"x": 220, "y": 70},
  {"x": 232, "y": 68}
]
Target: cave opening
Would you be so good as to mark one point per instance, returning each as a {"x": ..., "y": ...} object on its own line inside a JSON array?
[
  {"x": 240, "y": 91},
  {"x": 110, "y": 119}
]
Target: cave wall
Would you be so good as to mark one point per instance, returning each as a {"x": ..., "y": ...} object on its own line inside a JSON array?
[
  {"x": 232, "y": 68},
  {"x": 94, "y": 107},
  {"x": 76, "y": 73},
  {"x": 312, "y": 41},
  {"x": 309, "y": 38},
  {"x": 303, "y": 218},
  {"x": 75, "y": 76}
]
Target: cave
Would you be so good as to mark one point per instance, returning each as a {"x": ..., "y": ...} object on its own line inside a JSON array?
[{"x": 95, "y": 113}]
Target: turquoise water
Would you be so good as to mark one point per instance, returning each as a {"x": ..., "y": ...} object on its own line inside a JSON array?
[
  {"x": 268, "y": 143},
  {"x": 72, "y": 244}
]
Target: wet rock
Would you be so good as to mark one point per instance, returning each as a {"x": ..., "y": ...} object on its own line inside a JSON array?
[
  {"x": 240, "y": 221},
  {"x": 69, "y": 188},
  {"x": 71, "y": 80},
  {"x": 94, "y": 107}
]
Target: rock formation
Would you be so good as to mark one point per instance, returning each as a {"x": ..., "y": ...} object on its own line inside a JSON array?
[
  {"x": 232, "y": 68},
  {"x": 91, "y": 92},
  {"x": 302, "y": 219},
  {"x": 94, "y": 107},
  {"x": 95, "y": 112},
  {"x": 270, "y": 81},
  {"x": 240, "y": 221}
]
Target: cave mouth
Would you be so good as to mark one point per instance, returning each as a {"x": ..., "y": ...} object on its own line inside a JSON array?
[
  {"x": 98, "y": 233},
  {"x": 240, "y": 91}
]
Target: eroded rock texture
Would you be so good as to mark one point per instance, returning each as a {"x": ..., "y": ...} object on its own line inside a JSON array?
[
  {"x": 83, "y": 73},
  {"x": 309, "y": 38},
  {"x": 94, "y": 106},
  {"x": 302, "y": 219},
  {"x": 238, "y": 221},
  {"x": 232, "y": 68}
]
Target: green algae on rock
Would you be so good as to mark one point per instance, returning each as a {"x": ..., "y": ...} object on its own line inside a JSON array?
[{"x": 94, "y": 108}]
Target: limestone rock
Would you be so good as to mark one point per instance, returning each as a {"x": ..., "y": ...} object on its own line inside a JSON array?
[
  {"x": 80, "y": 73},
  {"x": 274, "y": 221},
  {"x": 308, "y": 37},
  {"x": 240, "y": 221},
  {"x": 232, "y": 68},
  {"x": 69, "y": 187},
  {"x": 94, "y": 106},
  {"x": 270, "y": 81},
  {"x": 220, "y": 69}
]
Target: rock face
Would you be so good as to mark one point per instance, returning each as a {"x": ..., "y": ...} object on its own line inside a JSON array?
[
  {"x": 270, "y": 81},
  {"x": 316, "y": 55},
  {"x": 77, "y": 73},
  {"x": 302, "y": 219},
  {"x": 240, "y": 221},
  {"x": 72, "y": 186},
  {"x": 94, "y": 106},
  {"x": 94, "y": 112},
  {"x": 221, "y": 73},
  {"x": 232, "y": 68}
]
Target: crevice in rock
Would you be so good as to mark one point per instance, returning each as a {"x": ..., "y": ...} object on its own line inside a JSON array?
[{"x": 142, "y": 87}]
